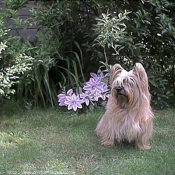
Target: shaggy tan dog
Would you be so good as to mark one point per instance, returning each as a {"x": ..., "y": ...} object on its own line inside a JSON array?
[{"x": 128, "y": 115}]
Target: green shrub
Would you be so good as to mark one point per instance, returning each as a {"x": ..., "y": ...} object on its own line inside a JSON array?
[
  {"x": 58, "y": 57},
  {"x": 13, "y": 62},
  {"x": 74, "y": 38},
  {"x": 145, "y": 35}
]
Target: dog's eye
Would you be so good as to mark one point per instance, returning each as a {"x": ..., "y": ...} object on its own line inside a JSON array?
[
  {"x": 126, "y": 82},
  {"x": 132, "y": 82}
]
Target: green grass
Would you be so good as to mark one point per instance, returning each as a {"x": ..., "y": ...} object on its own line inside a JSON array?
[{"x": 55, "y": 142}]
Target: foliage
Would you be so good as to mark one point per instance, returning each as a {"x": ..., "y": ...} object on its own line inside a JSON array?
[
  {"x": 111, "y": 31},
  {"x": 37, "y": 79},
  {"x": 14, "y": 63},
  {"x": 74, "y": 38},
  {"x": 58, "y": 41},
  {"x": 148, "y": 36},
  {"x": 56, "y": 64}
]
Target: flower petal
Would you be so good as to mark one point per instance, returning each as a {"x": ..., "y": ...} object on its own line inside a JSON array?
[
  {"x": 74, "y": 107},
  {"x": 69, "y": 106},
  {"x": 70, "y": 92}
]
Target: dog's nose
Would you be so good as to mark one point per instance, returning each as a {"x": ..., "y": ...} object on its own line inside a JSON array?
[{"x": 118, "y": 89}]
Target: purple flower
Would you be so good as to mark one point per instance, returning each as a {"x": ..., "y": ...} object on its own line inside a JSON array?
[
  {"x": 85, "y": 97},
  {"x": 96, "y": 95},
  {"x": 69, "y": 92},
  {"x": 62, "y": 99},
  {"x": 73, "y": 102},
  {"x": 105, "y": 95},
  {"x": 100, "y": 75},
  {"x": 94, "y": 89},
  {"x": 94, "y": 84}
]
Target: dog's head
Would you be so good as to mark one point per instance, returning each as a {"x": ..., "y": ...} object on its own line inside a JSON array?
[{"x": 129, "y": 89}]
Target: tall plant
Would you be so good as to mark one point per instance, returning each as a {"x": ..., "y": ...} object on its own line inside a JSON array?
[
  {"x": 58, "y": 58},
  {"x": 111, "y": 32}
]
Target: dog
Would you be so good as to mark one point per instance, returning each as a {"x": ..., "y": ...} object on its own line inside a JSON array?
[{"x": 128, "y": 116}]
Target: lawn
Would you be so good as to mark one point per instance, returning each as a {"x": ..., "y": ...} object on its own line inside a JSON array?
[{"x": 53, "y": 141}]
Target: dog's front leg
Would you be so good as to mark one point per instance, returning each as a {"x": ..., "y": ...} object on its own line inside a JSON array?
[{"x": 106, "y": 133}]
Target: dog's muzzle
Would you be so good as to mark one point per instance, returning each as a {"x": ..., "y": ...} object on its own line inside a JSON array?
[{"x": 120, "y": 91}]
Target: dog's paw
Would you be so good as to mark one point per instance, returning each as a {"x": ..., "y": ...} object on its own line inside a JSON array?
[
  {"x": 108, "y": 144},
  {"x": 147, "y": 147},
  {"x": 144, "y": 147}
]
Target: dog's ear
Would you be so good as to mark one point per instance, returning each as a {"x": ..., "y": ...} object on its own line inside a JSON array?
[
  {"x": 115, "y": 71},
  {"x": 140, "y": 72},
  {"x": 142, "y": 76}
]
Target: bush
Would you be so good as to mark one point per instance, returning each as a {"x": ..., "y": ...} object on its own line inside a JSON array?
[
  {"x": 56, "y": 63},
  {"x": 13, "y": 62},
  {"x": 74, "y": 38},
  {"x": 147, "y": 35}
]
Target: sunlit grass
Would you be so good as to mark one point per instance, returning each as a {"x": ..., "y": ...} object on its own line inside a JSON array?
[{"x": 52, "y": 141}]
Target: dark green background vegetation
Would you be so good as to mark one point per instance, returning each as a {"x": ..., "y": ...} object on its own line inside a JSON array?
[{"x": 76, "y": 37}]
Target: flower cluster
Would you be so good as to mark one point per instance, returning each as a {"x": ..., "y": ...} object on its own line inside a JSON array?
[{"x": 93, "y": 90}]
